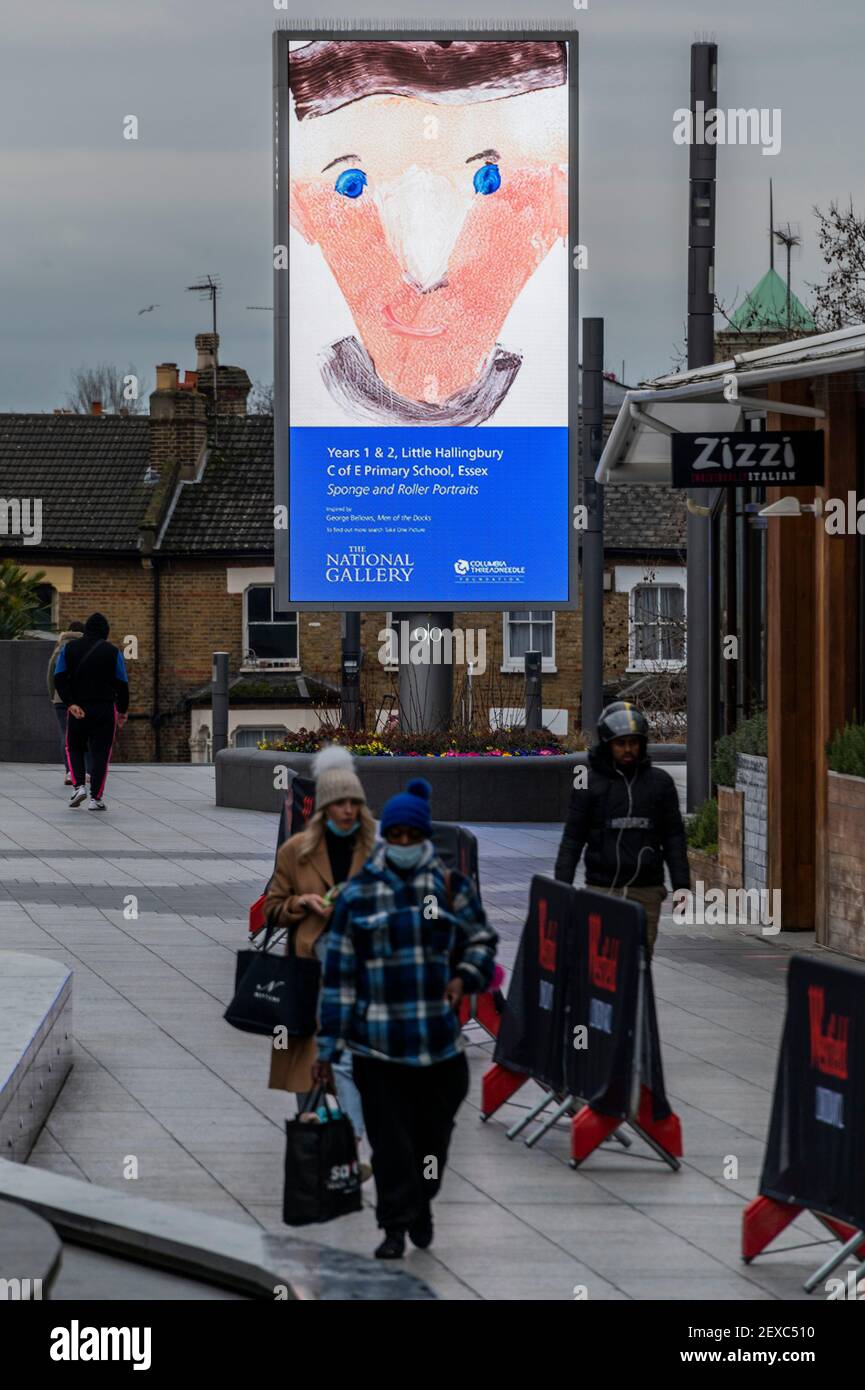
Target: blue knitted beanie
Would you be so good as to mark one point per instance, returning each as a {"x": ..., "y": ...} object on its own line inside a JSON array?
[{"x": 411, "y": 807}]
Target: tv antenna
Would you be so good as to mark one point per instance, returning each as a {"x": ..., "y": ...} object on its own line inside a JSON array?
[
  {"x": 210, "y": 287},
  {"x": 788, "y": 238}
]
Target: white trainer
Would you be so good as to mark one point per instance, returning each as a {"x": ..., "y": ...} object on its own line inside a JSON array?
[
  {"x": 94, "y": 804},
  {"x": 79, "y": 795}
]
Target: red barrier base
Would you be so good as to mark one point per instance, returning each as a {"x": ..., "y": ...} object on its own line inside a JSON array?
[
  {"x": 480, "y": 1008},
  {"x": 763, "y": 1219},
  {"x": 589, "y": 1129},
  {"x": 498, "y": 1085},
  {"x": 667, "y": 1133},
  {"x": 256, "y": 916}
]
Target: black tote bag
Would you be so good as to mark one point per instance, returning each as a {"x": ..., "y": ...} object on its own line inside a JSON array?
[
  {"x": 322, "y": 1172},
  {"x": 272, "y": 990}
]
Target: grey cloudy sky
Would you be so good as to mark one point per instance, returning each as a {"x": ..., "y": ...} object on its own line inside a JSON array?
[{"x": 94, "y": 227}]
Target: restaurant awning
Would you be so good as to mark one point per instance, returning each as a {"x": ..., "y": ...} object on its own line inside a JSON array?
[{"x": 717, "y": 398}]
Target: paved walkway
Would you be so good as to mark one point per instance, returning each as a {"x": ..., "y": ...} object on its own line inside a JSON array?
[{"x": 147, "y": 903}]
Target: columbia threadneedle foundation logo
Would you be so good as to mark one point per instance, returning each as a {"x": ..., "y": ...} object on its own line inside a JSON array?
[
  {"x": 356, "y": 565},
  {"x": 480, "y": 571}
]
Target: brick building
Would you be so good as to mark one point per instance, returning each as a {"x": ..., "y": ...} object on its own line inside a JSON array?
[{"x": 164, "y": 523}]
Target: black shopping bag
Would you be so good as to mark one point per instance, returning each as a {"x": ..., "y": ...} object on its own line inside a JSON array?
[
  {"x": 272, "y": 990},
  {"x": 322, "y": 1172}
]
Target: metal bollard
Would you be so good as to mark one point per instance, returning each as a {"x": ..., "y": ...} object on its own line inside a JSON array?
[
  {"x": 534, "y": 714},
  {"x": 219, "y": 702}
]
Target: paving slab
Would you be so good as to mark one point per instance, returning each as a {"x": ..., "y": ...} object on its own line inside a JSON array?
[{"x": 159, "y": 1075}]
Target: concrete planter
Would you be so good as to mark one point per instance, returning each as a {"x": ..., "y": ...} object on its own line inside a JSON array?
[
  {"x": 752, "y": 781},
  {"x": 731, "y": 838},
  {"x": 845, "y": 864},
  {"x": 464, "y": 789},
  {"x": 35, "y": 1046},
  {"x": 28, "y": 724}
]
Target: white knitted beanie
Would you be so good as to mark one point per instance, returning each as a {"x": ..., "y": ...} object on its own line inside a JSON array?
[{"x": 335, "y": 777}]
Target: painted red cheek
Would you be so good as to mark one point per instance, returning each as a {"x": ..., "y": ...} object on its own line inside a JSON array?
[
  {"x": 503, "y": 239},
  {"x": 352, "y": 241}
]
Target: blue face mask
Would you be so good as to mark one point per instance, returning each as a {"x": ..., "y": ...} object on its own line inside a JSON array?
[
  {"x": 343, "y": 834},
  {"x": 404, "y": 856}
]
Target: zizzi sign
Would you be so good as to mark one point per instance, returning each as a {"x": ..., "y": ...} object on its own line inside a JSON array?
[{"x": 747, "y": 459}]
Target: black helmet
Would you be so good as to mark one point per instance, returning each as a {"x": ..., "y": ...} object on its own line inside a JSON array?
[{"x": 621, "y": 719}]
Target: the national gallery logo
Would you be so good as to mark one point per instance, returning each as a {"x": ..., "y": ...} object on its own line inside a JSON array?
[{"x": 357, "y": 565}]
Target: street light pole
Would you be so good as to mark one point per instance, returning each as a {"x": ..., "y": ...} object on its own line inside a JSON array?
[
  {"x": 592, "y": 548},
  {"x": 701, "y": 351}
]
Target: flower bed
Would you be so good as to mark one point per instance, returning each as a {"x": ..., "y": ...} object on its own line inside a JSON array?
[{"x": 503, "y": 743}]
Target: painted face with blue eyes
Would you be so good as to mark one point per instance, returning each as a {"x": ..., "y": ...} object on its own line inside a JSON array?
[{"x": 431, "y": 217}]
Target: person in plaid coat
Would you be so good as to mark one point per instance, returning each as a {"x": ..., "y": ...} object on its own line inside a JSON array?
[{"x": 407, "y": 939}]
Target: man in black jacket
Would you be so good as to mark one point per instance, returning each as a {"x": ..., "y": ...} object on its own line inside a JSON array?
[
  {"x": 91, "y": 680},
  {"x": 627, "y": 818}
]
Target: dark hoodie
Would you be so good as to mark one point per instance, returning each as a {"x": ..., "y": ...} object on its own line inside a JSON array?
[
  {"x": 629, "y": 823},
  {"x": 91, "y": 670}
]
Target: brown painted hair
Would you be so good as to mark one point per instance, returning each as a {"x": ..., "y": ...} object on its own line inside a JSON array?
[{"x": 326, "y": 75}]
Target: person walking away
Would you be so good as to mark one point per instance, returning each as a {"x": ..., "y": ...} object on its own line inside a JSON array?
[
  {"x": 311, "y": 869},
  {"x": 91, "y": 679},
  {"x": 406, "y": 940},
  {"x": 627, "y": 819},
  {"x": 69, "y": 634}
]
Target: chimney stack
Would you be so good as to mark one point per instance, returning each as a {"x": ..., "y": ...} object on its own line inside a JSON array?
[
  {"x": 178, "y": 428},
  {"x": 95, "y": 407},
  {"x": 207, "y": 348},
  {"x": 232, "y": 383},
  {"x": 166, "y": 376}
]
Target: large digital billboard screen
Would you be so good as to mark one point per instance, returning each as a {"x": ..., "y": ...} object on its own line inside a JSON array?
[{"x": 426, "y": 310}]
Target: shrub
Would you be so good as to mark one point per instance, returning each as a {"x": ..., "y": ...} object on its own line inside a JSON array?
[
  {"x": 846, "y": 751},
  {"x": 20, "y": 604},
  {"x": 750, "y": 737},
  {"x": 702, "y": 828}
]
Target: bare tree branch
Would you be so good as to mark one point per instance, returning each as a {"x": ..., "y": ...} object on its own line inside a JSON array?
[
  {"x": 115, "y": 388},
  {"x": 840, "y": 301}
]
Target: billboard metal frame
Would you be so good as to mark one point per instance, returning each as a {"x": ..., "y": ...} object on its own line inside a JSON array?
[{"x": 281, "y": 98}]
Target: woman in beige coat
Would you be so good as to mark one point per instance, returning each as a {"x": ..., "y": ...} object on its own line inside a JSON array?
[{"x": 311, "y": 867}]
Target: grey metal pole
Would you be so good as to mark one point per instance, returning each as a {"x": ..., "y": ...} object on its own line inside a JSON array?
[
  {"x": 848, "y": 1248},
  {"x": 561, "y": 1109},
  {"x": 525, "y": 1121},
  {"x": 534, "y": 697},
  {"x": 425, "y": 683},
  {"x": 350, "y": 677},
  {"x": 593, "y": 536},
  {"x": 701, "y": 351},
  {"x": 219, "y": 702}
]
